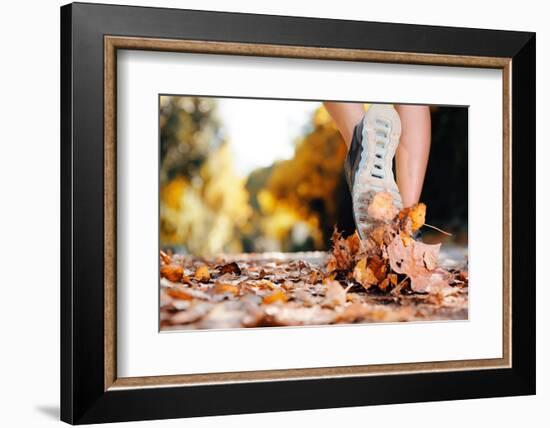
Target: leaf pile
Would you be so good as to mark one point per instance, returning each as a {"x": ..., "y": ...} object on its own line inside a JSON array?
[{"x": 390, "y": 258}]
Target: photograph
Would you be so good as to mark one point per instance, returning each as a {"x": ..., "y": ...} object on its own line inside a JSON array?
[
  {"x": 283, "y": 212},
  {"x": 270, "y": 212}
]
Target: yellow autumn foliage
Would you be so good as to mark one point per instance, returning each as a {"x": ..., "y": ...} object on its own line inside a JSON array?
[
  {"x": 207, "y": 213},
  {"x": 306, "y": 184},
  {"x": 205, "y": 206}
]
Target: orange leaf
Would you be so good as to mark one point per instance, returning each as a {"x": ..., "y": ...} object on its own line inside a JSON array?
[
  {"x": 178, "y": 293},
  {"x": 364, "y": 274},
  {"x": 384, "y": 284},
  {"x": 226, "y": 288},
  {"x": 418, "y": 216},
  {"x": 202, "y": 274},
  {"x": 378, "y": 267},
  {"x": 165, "y": 258},
  {"x": 172, "y": 273},
  {"x": 276, "y": 296}
]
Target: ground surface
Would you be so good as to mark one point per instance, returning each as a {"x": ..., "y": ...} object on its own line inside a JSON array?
[{"x": 292, "y": 289}]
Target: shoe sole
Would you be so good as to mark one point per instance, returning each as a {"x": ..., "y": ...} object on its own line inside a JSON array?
[{"x": 381, "y": 133}]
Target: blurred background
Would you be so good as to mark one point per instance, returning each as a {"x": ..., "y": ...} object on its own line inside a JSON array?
[{"x": 251, "y": 175}]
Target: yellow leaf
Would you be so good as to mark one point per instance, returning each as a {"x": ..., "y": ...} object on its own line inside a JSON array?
[
  {"x": 363, "y": 274},
  {"x": 202, "y": 274},
  {"x": 417, "y": 214},
  {"x": 276, "y": 296}
]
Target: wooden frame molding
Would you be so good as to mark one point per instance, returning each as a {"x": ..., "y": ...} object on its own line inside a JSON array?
[{"x": 113, "y": 43}]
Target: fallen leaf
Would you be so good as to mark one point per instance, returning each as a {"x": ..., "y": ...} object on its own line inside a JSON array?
[
  {"x": 232, "y": 268},
  {"x": 173, "y": 273},
  {"x": 276, "y": 296},
  {"x": 418, "y": 261},
  {"x": 165, "y": 258},
  {"x": 417, "y": 214},
  {"x": 264, "y": 283},
  {"x": 364, "y": 274},
  {"x": 221, "y": 288},
  {"x": 343, "y": 253},
  {"x": 378, "y": 267},
  {"x": 202, "y": 274},
  {"x": 430, "y": 257},
  {"x": 384, "y": 284},
  {"x": 187, "y": 293},
  {"x": 178, "y": 293},
  {"x": 431, "y": 282},
  {"x": 377, "y": 234}
]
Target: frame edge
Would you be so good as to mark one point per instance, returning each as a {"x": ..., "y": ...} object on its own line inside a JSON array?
[{"x": 66, "y": 316}]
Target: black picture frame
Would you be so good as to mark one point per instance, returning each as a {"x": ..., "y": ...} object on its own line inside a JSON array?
[{"x": 83, "y": 396}]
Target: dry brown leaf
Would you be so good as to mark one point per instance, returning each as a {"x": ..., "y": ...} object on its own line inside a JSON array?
[
  {"x": 344, "y": 251},
  {"x": 418, "y": 262},
  {"x": 431, "y": 282},
  {"x": 378, "y": 266},
  {"x": 462, "y": 276},
  {"x": 364, "y": 274},
  {"x": 377, "y": 234},
  {"x": 232, "y": 268},
  {"x": 384, "y": 284},
  {"x": 430, "y": 258},
  {"x": 264, "y": 283},
  {"x": 381, "y": 208},
  {"x": 172, "y": 273},
  {"x": 202, "y": 274},
  {"x": 165, "y": 258},
  {"x": 315, "y": 277}
]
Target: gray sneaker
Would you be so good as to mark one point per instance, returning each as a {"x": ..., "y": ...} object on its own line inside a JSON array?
[{"x": 369, "y": 163}]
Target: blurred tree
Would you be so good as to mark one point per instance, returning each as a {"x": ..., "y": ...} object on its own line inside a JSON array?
[
  {"x": 301, "y": 191},
  {"x": 189, "y": 129},
  {"x": 203, "y": 202}
]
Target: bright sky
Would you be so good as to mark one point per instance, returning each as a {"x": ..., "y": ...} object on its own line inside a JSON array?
[{"x": 262, "y": 131}]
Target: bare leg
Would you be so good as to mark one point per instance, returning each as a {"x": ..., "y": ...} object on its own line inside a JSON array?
[
  {"x": 345, "y": 116},
  {"x": 411, "y": 157},
  {"x": 412, "y": 154}
]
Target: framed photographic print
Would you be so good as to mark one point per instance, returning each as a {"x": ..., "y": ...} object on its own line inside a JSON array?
[{"x": 265, "y": 213}]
